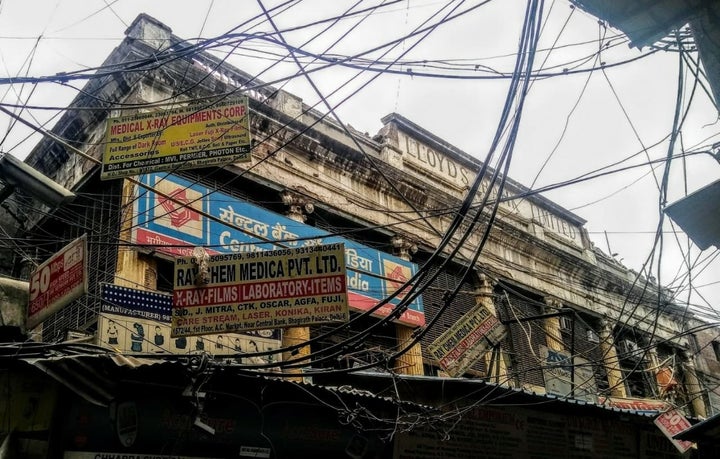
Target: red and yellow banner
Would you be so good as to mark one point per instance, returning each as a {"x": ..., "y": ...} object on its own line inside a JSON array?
[{"x": 259, "y": 290}]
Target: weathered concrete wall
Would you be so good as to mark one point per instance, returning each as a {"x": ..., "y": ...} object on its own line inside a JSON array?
[{"x": 14, "y": 295}]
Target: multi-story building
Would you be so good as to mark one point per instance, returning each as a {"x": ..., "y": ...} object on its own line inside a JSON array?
[{"x": 573, "y": 322}]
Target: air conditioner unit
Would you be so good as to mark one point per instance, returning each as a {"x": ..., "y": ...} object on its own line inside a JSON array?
[
  {"x": 592, "y": 336},
  {"x": 628, "y": 349},
  {"x": 565, "y": 323}
]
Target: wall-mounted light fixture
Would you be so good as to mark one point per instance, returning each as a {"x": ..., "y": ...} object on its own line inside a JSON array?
[{"x": 16, "y": 174}]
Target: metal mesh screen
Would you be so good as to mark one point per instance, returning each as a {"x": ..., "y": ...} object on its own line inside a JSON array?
[
  {"x": 586, "y": 345},
  {"x": 524, "y": 339},
  {"x": 381, "y": 342},
  {"x": 433, "y": 301},
  {"x": 96, "y": 213}
]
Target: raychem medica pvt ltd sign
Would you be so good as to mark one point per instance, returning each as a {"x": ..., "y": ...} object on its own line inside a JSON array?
[
  {"x": 260, "y": 290},
  {"x": 58, "y": 281},
  {"x": 176, "y": 226},
  {"x": 198, "y": 135},
  {"x": 459, "y": 347}
]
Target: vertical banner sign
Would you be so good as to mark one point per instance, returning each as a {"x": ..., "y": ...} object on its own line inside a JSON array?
[
  {"x": 672, "y": 423},
  {"x": 194, "y": 136},
  {"x": 58, "y": 281},
  {"x": 467, "y": 340},
  {"x": 260, "y": 290}
]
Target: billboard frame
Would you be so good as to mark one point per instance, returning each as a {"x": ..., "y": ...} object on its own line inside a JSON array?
[{"x": 177, "y": 138}]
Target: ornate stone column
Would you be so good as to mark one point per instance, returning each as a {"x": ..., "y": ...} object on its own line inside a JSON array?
[
  {"x": 610, "y": 360},
  {"x": 551, "y": 325},
  {"x": 484, "y": 296},
  {"x": 403, "y": 247},
  {"x": 298, "y": 208},
  {"x": 132, "y": 270},
  {"x": 692, "y": 386},
  {"x": 410, "y": 363},
  {"x": 298, "y": 205},
  {"x": 654, "y": 364}
]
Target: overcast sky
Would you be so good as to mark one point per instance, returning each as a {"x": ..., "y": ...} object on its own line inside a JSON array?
[{"x": 573, "y": 122}]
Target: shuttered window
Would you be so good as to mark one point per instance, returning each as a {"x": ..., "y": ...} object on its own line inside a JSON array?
[{"x": 524, "y": 338}]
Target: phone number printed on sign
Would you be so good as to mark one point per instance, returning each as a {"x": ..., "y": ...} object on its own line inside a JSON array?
[
  {"x": 672, "y": 423},
  {"x": 259, "y": 290},
  {"x": 58, "y": 281},
  {"x": 179, "y": 138}
]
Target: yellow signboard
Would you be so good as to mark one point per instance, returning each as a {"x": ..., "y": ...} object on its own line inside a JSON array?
[
  {"x": 260, "y": 290},
  {"x": 177, "y": 138}
]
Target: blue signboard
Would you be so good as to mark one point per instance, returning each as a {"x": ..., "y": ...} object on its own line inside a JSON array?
[
  {"x": 132, "y": 302},
  {"x": 244, "y": 227},
  {"x": 153, "y": 306}
]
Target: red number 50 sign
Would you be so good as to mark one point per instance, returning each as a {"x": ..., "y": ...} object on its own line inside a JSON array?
[
  {"x": 58, "y": 281},
  {"x": 672, "y": 423}
]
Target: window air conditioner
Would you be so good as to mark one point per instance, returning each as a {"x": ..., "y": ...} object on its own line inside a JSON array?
[
  {"x": 565, "y": 323},
  {"x": 592, "y": 337},
  {"x": 628, "y": 349}
]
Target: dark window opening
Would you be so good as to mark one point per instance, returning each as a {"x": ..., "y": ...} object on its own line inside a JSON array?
[{"x": 716, "y": 349}]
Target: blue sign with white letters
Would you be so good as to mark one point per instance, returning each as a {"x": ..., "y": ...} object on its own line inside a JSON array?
[{"x": 244, "y": 227}]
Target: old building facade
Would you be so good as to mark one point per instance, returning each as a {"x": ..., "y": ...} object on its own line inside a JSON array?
[{"x": 629, "y": 345}]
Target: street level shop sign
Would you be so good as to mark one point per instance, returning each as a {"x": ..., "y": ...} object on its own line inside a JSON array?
[
  {"x": 174, "y": 227},
  {"x": 126, "y": 455},
  {"x": 467, "y": 340},
  {"x": 138, "y": 321},
  {"x": 197, "y": 135},
  {"x": 640, "y": 405},
  {"x": 672, "y": 423},
  {"x": 260, "y": 290},
  {"x": 57, "y": 282}
]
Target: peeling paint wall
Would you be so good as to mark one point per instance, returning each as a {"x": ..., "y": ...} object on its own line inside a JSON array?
[{"x": 14, "y": 295}]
